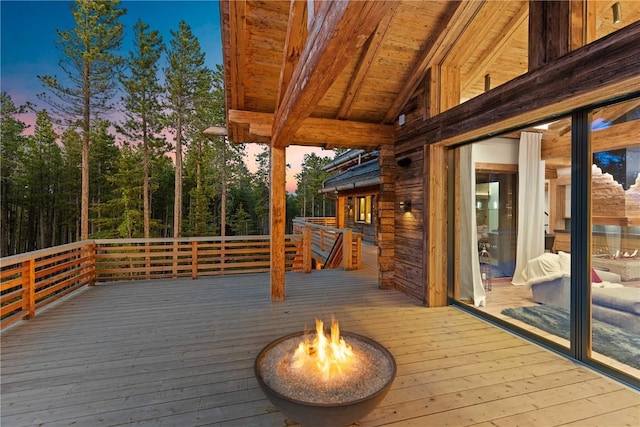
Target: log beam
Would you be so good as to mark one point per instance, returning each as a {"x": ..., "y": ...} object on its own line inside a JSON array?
[
  {"x": 370, "y": 52},
  {"x": 339, "y": 29},
  {"x": 603, "y": 70},
  {"x": 293, "y": 45},
  {"x": 318, "y": 132}
]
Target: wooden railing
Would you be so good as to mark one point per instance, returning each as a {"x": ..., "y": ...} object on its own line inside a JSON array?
[
  {"x": 327, "y": 221},
  {"x": 330, "y": 247},
  {"x": 127, "y": 259},
  {"x": 30, "y": 281}
]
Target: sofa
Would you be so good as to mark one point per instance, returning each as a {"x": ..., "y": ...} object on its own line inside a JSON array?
[{"x": 549, "y": 278}]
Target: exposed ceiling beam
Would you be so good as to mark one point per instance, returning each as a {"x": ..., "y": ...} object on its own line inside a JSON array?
[
  {"x": 339, "y": 29},
  {"x": 318, "y": 132},
  {"x": 434, "y": 53},
  {"x": 293, "y": 45},
  {"x": 237, "y": 57},
  {"x": 370, "y": 53},
  {"x": 603, "y": 70},
  {"x": 491, "y": 55}
]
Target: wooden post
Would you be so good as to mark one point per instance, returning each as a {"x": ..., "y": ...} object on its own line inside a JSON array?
[
  {"x": 436, "y": 228},
  {"x": 92, "y": 263},
  {"x": 358, "y": 252},
  {"x": 277, "y": 217},
  {"x": 175, "y": 258},
  {"x": 29, "y": 288},
  {"x": 385, "y": 217},
  {"x": 549, "y": 33},
  {"x": 347, "y": 249},
  {"x": 147, "y": 260},
  {"x": 194, "y": 260},
  {"x": 306, "y": 250}
]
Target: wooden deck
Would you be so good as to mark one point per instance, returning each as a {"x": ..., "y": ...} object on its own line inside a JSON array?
[{"x": 180, "y": 353}]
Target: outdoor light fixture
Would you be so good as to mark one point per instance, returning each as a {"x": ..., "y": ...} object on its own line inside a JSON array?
[
  {"x": 617, "y": 13},
  {"x": 405, "y": 206}
]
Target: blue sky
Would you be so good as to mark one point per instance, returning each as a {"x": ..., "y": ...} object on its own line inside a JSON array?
[{"x": 28, "y": 34}]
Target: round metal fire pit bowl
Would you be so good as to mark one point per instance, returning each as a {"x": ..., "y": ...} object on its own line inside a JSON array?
[{"x": 310, "y": 414}]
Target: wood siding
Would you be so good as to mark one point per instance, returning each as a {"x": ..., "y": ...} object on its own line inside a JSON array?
[{"x": 409, "y": 239}]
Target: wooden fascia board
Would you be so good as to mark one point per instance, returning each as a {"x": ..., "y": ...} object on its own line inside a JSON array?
[
  {"x": 605, "y": 69},
  {"x": 370, "y": 53},
  {"x": 620, "y": 135},
  {"x": 435, "y": 53},
  {"x": 319, "y": 132},
  {"x": 293, "y": 45},
  {"x": 339, "y": 29}
]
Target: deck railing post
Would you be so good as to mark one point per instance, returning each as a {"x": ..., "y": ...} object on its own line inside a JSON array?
[
  {"x": 194, "y": 260},
  {"x": 175, "y": 257},
  {"x": 306, "y": 250},
  {"x": 347, "y": 249},
  {"x": 29, "y": 288},
  {"x": 92, "y": 262},
  {"x": 147, "y": 260}
]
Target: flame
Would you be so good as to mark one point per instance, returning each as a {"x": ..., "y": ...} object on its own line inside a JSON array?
[{"x": 330, "y": 356}]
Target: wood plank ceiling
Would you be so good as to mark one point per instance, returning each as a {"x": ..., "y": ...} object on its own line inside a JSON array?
[{"x": 371, "y": 57}]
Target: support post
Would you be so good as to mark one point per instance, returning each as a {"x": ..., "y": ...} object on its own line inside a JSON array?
[
  {"x": 29, "y": 288},
  {"x": 347, "y": 249},
  {"x": 277, "y": 218},
  {"x": 306, "y": 250},
  {"x": 194, "y": 260}
]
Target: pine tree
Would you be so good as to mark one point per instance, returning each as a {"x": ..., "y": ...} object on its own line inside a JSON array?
[
  {"x": 70, "y": 186},
  {"x": 90, "y": 65},
  {"x": 184, "y": 77},
  {"x": 121, "y": 215},
  {"x": 42, "y": 173},
  {"x": 11, "y": 143},
  {"x": 143, "y": 109},
  {"x": 103, "y": 161}
]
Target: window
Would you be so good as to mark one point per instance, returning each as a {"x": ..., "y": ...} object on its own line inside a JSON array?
[{"x": 363, "y": 209}]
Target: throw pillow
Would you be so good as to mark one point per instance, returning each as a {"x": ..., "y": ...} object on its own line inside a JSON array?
[{"x": 594, "y": 277}]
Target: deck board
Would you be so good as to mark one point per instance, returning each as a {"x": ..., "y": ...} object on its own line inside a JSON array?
[{"x": 180, "y": 353}]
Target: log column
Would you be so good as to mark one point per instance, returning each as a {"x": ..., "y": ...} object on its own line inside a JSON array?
[
  {"x": 435, "y": 184},
  {"x": 277, "y": 219},
  {"x": 386, "y": 217}
]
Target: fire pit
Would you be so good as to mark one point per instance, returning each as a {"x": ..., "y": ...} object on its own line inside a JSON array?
[{"x": 317, "y": 380}]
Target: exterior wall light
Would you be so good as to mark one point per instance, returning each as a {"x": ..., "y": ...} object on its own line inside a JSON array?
[
  {"x": 617, "y": 13},
  {"x": 405, "y": 206}
]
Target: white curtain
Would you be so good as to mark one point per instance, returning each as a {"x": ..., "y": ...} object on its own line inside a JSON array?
[
  {"x": 470, "y": 278},
  {"x": 530, "y": 204}
]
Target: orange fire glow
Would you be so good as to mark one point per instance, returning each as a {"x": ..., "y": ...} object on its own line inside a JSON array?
[{"x": 329, "y": 356}]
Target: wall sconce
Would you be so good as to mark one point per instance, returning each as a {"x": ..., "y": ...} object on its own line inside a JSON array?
[
  {"x": 617, "y": 13},
  {"x": 405, "y": 206}
]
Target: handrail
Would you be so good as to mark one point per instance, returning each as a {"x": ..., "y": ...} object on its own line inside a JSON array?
[
  {"x": 33, "y": 280},
  {"x": 328, "y": 244}
]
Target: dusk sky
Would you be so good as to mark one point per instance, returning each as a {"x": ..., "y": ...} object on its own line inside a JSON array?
[{"x": 28, "y": 49}]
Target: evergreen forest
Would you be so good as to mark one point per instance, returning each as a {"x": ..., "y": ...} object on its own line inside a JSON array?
[{"x": 77, "y": 173}]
